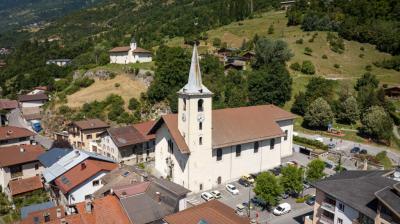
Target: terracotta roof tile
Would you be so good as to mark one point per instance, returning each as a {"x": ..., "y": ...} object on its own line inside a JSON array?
[
  {"x": 33, "y": 97},
  {"x": 105, "y": 210},
  {"x": 11, "y": 132},
  {"x": 212, "y": 212},
  {"x": 52, "y": 212},
  {"x": 124, "y": 136},
  {"x": 6, "y": 104},
  {"x": 132, "y": 189},
  {"x": 13, "y": 155},
  {"x": 233, "y": 126},
  {"x": 141, "y": 50},
  {"x": 120, "y": 49},
  {"x": 81, "y": 172},
  {"x": 25, "y": 185},
  {"x": 91, "y": 124},
  {"x": 144, "y": 128}
]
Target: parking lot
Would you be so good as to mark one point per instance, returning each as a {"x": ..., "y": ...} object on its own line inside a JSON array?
[{"x": 295, "y": 216}]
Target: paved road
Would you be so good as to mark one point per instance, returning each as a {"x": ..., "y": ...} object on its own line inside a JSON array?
[
  {"x": 345, "y": 145},
  {"x": 15, "y": 119}
]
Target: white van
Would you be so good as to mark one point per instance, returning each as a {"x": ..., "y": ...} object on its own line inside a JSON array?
[{"x": 282, "y": 209}]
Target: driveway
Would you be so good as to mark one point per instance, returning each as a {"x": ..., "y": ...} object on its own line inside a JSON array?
[{"x": 346, "y": 146}]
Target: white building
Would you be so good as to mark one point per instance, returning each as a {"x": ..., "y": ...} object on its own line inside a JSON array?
[
  {"x": 200, "y": 148},
  {"x": 129, "y": 54},
  {"x": 34, "y": 100}
]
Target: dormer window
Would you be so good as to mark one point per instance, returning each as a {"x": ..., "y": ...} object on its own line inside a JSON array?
[{"x": 200, "y": 105}]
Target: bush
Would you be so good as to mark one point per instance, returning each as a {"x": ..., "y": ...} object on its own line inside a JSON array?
[
  {"x": 311, "y": 40},
  {"x": 336, "y": 65},
  {"x": 133, "y": 104},
  {"x": 216, "y": 42},
  {"x": 362, "y": 48},
  {"x": 324, "y": 56},
  {"x": 310, "y": 142},
  {"x": 295, "y": 66},
  {"x": 308, "y": 51},
  {"x": 361, "y": 55},
  {"x": 64, "y": 109},
  {"x": 299, "y": 41},
  {"x": 308, "y": 68},
  {"x": 368, "y": 68},
  {"x": 117, "y": 85},
  {"x": 271, "y": 29}
]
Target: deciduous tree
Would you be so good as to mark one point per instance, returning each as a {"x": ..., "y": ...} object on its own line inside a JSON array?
[{"x": 268, "y": 188}]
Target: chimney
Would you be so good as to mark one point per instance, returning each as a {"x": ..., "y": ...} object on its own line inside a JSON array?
[
  {"x": 77, "y": 153},
  {"x": 83, "y": 165},
  {"x": 88, "y": 206},
  {"x": 158, "y": 196},
  {"x": 123, "y": 193},
  {"x": 9, "y": 132},
  {"x": 58, "y": 213}
]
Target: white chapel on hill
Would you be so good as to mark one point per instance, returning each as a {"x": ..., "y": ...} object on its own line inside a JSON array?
[
  {"x": 200, "y": 148},
  {"x": 130, "y": 54}
]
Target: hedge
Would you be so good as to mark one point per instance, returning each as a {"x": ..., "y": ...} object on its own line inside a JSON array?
[{"x": 310, "y": 142}]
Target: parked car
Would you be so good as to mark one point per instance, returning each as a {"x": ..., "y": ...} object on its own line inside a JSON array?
[
  {"x": 306, "y": 185},
  {"x": 240, "y": 209},
  {"x": 258, "y": 202},
  {"x": 355, "y": 150},
  {"x": 311, "y": 201},
  {"x": 285, "y": 195},
  {"x": 282, "y": 209},
  {"x": 232, "y": 189},
  {"x": 249, "y": 178},
  {"x": 363, "y": 151},
  {"x": 331, "y": 145},
  {"x": 216, "y": 194},
  {"x": 328, "y": 165},
  {"x": 207, "y": 196},
  {"x": 276, "y": 171},
  {"x": 292, "y": 163},
  {"x": 244, "y": 182}
]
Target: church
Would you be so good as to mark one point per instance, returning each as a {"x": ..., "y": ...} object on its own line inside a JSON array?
[
  {"x": 200, "y": 148},
  {"x": 129, "y": 54}
]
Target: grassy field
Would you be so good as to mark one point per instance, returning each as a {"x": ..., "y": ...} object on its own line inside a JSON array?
[{"x": 128, "y": 88}]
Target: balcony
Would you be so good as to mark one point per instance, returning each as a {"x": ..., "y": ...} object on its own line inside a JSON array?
[
  {"x": 328, "y": 207},
  {"x": 326, "y": 220}
]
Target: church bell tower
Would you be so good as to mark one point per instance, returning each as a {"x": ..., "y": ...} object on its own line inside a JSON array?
[{"x": 195, "y": 109}]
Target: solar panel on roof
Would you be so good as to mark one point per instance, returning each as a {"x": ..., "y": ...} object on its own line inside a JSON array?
[{"x": 202, "y": 221}]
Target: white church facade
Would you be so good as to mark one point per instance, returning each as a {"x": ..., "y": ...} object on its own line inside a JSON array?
[
  {"x": 129, "y": 54},
  {"x": 200, "y": 148}
]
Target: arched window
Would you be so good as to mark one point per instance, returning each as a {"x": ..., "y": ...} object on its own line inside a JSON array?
[
  {"x": 219, "y": 180},
  {"x": 184, "y": 104},
  {"x": 200, "y": 105},
  {"x": 201, "y": 126},
  {"x": 201, "y": 141}
]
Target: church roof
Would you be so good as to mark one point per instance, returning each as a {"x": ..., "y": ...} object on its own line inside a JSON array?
[
  {"x": 233, "y": 126},
  {"x": 128, "y": 48},
  {"x": 194, "y": 85}
]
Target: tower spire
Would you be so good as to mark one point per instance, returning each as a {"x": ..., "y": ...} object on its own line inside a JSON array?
[{"x": 194, "y": 84}]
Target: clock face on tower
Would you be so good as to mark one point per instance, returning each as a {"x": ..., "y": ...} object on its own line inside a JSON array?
[{"x": 200, "y": 117}]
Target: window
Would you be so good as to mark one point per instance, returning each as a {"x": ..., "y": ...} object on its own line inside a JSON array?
[
  {"x": 36, "y": 166},
  {"x": 88, "y": 197},
  {"x": 96, "y": 183},
  {"x": 200, "y": 140},
  {"x": 286, "y": 135},
  {"x": 201, "y": 187},
  {"x": 200, "y": 105},
  {"x": 46, "y": 217},
  {"x": 256, "y": 146},
  {"x": 219, "y": 154},
  {"x": 339, "y": 221},
  {"x": 341, "y": 207},
  {"x": 238, "y": 150},
  {"x": 184, "y": 104},
  {"x": 22, "y": 139},
  {"x": 170, "y": 146},
  {"x": 201, "y": 126},
  {"x": 219, "y": 180},
  {"x": 16, "y": 171},
  {"x": 88, "y": 136},
  {"x": 272, "y": 144}
]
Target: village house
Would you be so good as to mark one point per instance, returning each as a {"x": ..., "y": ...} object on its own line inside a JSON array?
[
  {"x": 59, "y": 62},
  {"x": 107, "y": 210},
  {"x": 212, "y": 211},
  {"x": 200, "y": 148},
  {"x": 6, "y": 106},
  {"x": 357, "y": 197},
  {"x": 32, "y": 100},
  {"x": 81, "y": 133},
  {"x": 19, "y": 162},
  {"x": 129, "y": 143},
  {"x": 129, "y": 54},
  {"x": 22, "y": 187},
  {"x": 76, "y": 176},
  {"x": 10, "y": 135}
]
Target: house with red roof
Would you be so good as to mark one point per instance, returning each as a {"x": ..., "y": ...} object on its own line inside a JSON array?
[
  {"x": 78, "y": 183},
  {"x": 130, "y": 54},
  {"x": 127, "y": 144},
  {"x": 11, "y": 135},
  {"x": 20, "y": 168},
  {"x": 81, "y": 133}
]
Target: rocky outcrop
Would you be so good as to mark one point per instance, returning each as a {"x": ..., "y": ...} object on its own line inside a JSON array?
[{"x": 98, "y": 74}]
